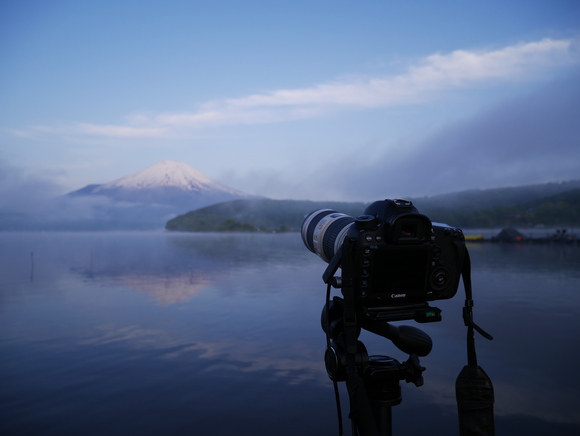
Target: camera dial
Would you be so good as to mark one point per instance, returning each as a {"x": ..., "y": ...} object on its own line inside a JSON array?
[{"x": 366, "y": 222}]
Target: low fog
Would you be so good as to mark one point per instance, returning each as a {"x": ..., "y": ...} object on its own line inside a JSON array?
[{"x": 526, "y": 140}]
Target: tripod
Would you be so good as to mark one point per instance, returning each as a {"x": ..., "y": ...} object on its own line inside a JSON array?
[{"x": 373, "y": 382}]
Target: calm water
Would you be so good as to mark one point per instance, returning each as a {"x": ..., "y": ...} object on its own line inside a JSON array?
[{"x": 187, "y": 334}]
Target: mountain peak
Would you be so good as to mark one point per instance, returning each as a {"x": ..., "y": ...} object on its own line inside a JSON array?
[
  {"x": 166, "y": 174},
  {"x": 163, "y": 189}
]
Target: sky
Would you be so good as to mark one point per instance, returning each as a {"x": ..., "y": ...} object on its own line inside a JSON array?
[{"x": 321, "y": 100}]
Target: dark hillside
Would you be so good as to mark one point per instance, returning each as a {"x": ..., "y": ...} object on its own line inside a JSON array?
[
  {"x": 552, "y": 204},
  {"x": 562, "y": 209},
  {"x": 477, "y": 199},
  {"x": 255, "y": 215}
]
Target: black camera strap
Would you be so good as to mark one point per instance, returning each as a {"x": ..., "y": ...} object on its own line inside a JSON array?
[
  {"x": 333, "y": 362},
  {"x": 473, "y": 387},
  {"x": 468, "y": 312}
]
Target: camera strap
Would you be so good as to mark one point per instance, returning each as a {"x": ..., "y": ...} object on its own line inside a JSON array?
[
  {"x": 468, "y": 312},
  {"x": 473, "y": 387}
]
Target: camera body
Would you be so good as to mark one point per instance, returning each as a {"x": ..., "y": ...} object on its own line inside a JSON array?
[{"x": 398, "y": 259}]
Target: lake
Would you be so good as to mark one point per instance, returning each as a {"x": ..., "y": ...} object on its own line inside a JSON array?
[{"x": 150, "y": 333}]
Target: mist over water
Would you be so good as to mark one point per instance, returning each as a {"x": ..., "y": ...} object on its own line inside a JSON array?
[{"x": 164, "y": 333}]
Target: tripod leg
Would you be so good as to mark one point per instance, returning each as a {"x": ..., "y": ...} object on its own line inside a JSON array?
[{"x": 384, "y": 418}]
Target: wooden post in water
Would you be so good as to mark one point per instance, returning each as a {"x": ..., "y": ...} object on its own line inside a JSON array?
[{"x": 31, "y": 266}]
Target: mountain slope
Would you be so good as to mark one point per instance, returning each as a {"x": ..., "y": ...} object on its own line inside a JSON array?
[
  {"x": 255, "y": 214},
  {"x": 476, "y": 199},
  {"x": 142, "y": 200},
  {"x": 550, "y": 204}
]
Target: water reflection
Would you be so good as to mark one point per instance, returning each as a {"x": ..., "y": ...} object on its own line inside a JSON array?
[
  {"x": 203, "y": 331},
  {"x": 173, "y": 268}
]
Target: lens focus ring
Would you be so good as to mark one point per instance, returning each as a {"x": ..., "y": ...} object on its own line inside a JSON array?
[
  {"x": 310, "y": 224},
  {"x": 329, "y": 247},
  {"x": 324, "y": 230}
]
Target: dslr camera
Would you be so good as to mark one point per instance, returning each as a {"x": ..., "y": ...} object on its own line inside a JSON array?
[{"x": 393, "y": 258}]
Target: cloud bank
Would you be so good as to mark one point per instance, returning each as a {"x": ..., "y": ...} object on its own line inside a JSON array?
[
  {"x": 29, "y": 201},
  {"x": 420, "y": 82},
  {"x": 530, "y": 139}
]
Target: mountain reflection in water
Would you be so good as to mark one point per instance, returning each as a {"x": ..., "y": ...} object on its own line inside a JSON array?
[{"x": 163, "y": 333}]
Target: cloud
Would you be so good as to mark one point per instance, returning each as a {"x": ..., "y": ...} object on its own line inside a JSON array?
[
  {"x": 90, "y": 129},
  {"x": 513, "y": 62},
  {"x": 24, "y": 193},
  {"x": 121, "y": 131},
  {"x": 32, "y": 201},
  {"x": 420, "y": 82},
  {"x": 530, "y": 139},
  {"x": 436, "y": 72}
]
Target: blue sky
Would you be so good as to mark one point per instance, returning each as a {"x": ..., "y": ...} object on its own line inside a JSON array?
[{"x": 323, "y": 100}]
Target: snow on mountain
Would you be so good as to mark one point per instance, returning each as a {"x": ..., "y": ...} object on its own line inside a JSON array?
[
  {"x": 167, "y": 174},
  {"x": 150, "y": 197},
  {"x": 166, "y": 182}
]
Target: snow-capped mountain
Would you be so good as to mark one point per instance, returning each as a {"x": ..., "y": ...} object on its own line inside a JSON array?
[
  {"x": 168, "y": 173},
  {"x": 165, "y": 183},
  {"x": 147, "y": 199}
]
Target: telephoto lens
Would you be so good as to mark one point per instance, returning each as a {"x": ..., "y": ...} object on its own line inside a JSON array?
[{"x": 324, "y": 230}]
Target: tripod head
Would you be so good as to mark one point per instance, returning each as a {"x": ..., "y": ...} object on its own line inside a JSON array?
[{"x": 408, "y": 339}]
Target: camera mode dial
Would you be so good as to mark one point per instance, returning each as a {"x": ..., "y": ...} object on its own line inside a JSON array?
[{"x": 366, "y": 222}]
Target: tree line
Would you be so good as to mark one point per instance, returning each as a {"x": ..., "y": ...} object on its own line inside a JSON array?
[{"x": 264, "y": 215}]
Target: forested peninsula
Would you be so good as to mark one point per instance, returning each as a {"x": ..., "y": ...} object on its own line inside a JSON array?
[{"x": 549, "y": 205}]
